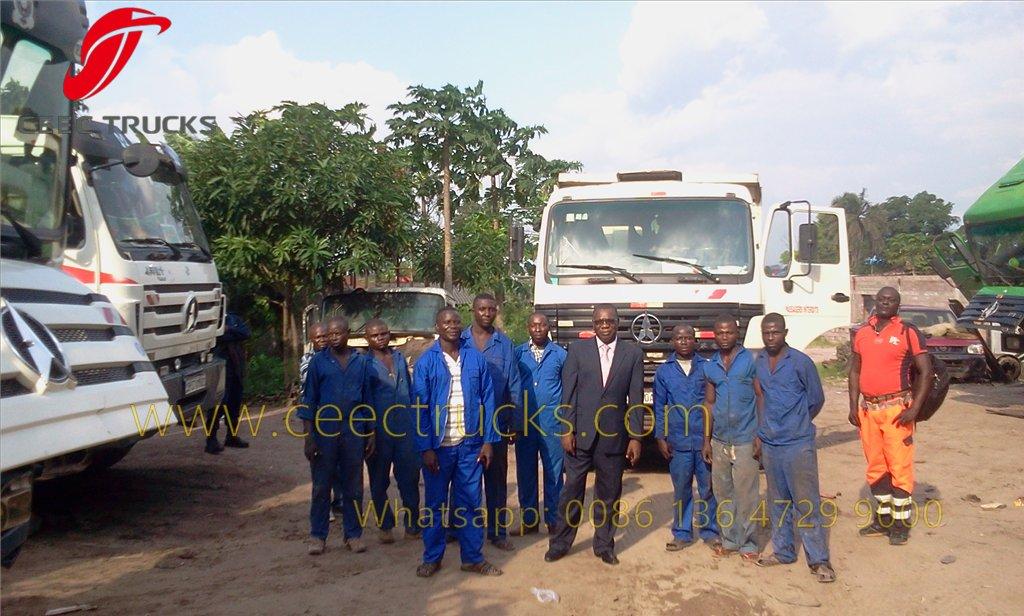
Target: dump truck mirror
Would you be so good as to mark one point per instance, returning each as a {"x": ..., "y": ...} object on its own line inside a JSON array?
[
  {"x": 141, "y": 159},
  {"x": 808, "y": 240},
  {"x": 517, "y": 242}
]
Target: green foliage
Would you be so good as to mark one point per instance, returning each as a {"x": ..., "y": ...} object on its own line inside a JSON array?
[
  {"x": 873, "y": 229},
  {"x": 298, "y": 196},
  {"x": 264, "y": 377},
  {"x": 909, "y": 252}
]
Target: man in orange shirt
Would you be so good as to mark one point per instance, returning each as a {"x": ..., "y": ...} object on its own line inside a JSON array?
[{"x": 884, "y": 349}]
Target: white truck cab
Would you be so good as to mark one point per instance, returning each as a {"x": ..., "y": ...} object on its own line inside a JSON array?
[
  {"x": 668, "y": 248},
  {"x": 136, "y": 238},
  {"x": 76, "y": 383}
]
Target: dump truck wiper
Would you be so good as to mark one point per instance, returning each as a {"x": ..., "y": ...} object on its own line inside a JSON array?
[
  {"x": 697, "y": 267},
  {"x": 606, "y": 268},
  {"x": 158, "y": 241}
]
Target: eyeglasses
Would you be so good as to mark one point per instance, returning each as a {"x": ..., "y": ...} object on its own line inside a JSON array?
[{"x": 605, "y": 321}]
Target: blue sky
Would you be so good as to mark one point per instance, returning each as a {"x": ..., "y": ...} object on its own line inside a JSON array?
[{"x": 817, "y": 98}]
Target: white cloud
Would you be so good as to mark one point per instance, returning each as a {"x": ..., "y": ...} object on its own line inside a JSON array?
[
  {"x": 255, "y": 72},
  {"x": 931, "y": 101}
]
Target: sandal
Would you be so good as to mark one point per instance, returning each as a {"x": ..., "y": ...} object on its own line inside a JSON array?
[
  {"x": 677, "y": 544},
  {"x": 483, "y": 568},
  {"x": 721, "y": 551},
  {"x": 770, "y": 561},
  {"x": 750, "y": 557},
  {"x": 427, "y": 569},
  {"x": 824, "y": 572}
]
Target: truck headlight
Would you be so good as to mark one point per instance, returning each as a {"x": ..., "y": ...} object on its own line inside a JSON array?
[{"x": 976, "y": 349}]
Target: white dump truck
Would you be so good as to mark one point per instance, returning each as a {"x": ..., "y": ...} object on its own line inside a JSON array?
[
  {"x": 76, "y": 383},
  {"x": 136, "y": 238},
  {"x": 669, "y": 248}
]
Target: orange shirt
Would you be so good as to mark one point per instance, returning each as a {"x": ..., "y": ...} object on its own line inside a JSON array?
[{"x": 886, "y": 357}]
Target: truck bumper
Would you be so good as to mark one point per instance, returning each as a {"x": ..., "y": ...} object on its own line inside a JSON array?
[
  {"x": 17, "y": 514},
  {"x": 962, "y": 366},
  {"x": 201, "y": 386}
]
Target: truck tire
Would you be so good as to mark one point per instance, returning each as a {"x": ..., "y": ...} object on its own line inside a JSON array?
[
  {"x": 1011, "y": 367},
  {"x": 105, "y": 458}
]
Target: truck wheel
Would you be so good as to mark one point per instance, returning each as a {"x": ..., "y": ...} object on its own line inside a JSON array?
[
  {"x": 1011, "y": 367},
  {"x": 105, "y": 458}
]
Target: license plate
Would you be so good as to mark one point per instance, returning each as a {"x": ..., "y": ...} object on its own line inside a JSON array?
[
  {"x": 648, "y": 397},
  {"x": 195, "y": 382}
]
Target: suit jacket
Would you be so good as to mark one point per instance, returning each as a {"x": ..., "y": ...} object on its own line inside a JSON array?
[{"x": 589, "y": 405}]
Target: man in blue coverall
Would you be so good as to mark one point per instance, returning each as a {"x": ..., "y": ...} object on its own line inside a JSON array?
[
  {"x": 679, "y": 426},
  {"x": 455, "y": 434},
  {"x": 231, "y": 348},
  {"x": 339, "y": 432},
  {"x": 792, "y": 398},
  {"x": 498, "y": 351},
  {"x": 730, "y": 393},
  {"x": 540, "y": 369},
  {"x": 390, "y": 397}
]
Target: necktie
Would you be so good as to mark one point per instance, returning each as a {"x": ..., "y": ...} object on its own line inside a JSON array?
[{"x": 606, "y": 363}]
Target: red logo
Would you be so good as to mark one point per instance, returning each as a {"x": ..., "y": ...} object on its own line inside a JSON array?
[{"x": 107, "y": 47}]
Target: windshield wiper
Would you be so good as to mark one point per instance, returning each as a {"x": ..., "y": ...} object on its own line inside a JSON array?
[
  {"x": 697, "y": 267},
  {"x": 201, "y": 249},
  {"x": 33, "y": 245},
  {"x": 158, "y": 241},
  {"x": 605, "y": 268}
]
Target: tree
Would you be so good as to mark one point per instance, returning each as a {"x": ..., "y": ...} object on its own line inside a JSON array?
[
  {"x": 923, "y": 213},
  {"x": 909, "y": 252},
  {"x": 297, "y": 197},
  {"x": 439, "y": 125}
]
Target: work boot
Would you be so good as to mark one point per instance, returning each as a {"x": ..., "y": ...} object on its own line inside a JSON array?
[
  {"x": 900, "y": 531},
  {"x": 213, "y": 446},
  {"x": 234, "y": 441},
  {"x": 899, "y": 534},
  {"x": 317, "y": 546},
  {"x": 881, "y": 524},
  {"x": 385, "y": 536},
  {"x": 356, "y": 545}
]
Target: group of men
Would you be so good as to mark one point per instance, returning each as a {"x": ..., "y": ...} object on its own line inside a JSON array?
[{"x": 717, "y": 420}]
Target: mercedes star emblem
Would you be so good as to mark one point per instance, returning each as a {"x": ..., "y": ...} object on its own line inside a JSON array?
[
  {"x": 646, "y": 328},
  {"x": 191, "y": 314},
  {"x": 40, "y": 358},
  {"x": 990, "y": 310}
]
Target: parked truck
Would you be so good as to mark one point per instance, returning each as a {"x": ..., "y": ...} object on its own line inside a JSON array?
[
  {"x": 138, "y": 240},
  {"x": 669, "y": 248},
  {"x": 75, "y": 380},
  {"x": 985, "y": 260}
]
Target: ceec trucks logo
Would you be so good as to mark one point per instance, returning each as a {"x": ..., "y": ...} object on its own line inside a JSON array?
[{"x": 107, "y": 47}]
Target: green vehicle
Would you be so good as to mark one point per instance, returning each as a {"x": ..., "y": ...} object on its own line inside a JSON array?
[{"x": 985, "y": 260}]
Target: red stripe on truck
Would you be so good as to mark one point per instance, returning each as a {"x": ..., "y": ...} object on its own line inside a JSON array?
[{"x": 89, "y": 277}]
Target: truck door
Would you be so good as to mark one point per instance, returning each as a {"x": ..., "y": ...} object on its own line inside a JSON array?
[{"x": 806, "y": 272}]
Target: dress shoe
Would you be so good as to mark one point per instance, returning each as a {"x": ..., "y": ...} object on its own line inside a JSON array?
[
  {"x": 213, "y": 446},
  {"x": 237, "y": 443},
  {"x": 552, "y": 555},
  {"x": 608, "y": 558}
]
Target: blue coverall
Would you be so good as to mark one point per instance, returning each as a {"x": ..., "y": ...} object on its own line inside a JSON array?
[
  {"x": 507, "y": 390},
  {"x": 679, "y": 419},
  {"x": 793, "y": 397},
  {"x": 334, "y": 400},
  {"x": 391, "y": 400},
  {"x": 541, "y": 431},
  {"x": 460, "y": 473}
]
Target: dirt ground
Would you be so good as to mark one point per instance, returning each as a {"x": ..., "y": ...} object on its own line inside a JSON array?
[{"x": 171, "y": 530}]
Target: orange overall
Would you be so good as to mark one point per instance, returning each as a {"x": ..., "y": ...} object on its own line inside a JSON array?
[{"x": 886, "y": 360}]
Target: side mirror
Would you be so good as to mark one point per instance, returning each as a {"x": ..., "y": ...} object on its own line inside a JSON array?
[
  {"x": 517, "y": 243},
  {"x": 141, "y": 159},
  {"x": 940, "y": 268},
  {"x": 808, "y": 241}
]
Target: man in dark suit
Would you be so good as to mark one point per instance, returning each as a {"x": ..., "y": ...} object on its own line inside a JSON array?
[{"x": 602, "y": 431}]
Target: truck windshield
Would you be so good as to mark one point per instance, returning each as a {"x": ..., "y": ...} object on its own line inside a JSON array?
[
  {"x": 149, "y": 209},
  {"x": 1000, "y": 247},
  {"x": 404, "y": 312},
  {"x": 657, "y": 240},
  {"x": 33, "y": 150}
]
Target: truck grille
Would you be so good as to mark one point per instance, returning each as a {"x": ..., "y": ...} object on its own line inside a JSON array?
[
  {"x": 40, "y": 296},
  {"x": 700, "y": 316},
  {"x": 82, "y": 334},
  {"x": 12, "y": 387},
  {"x": 168, "y": 317},
  {"x": 1007, "y": 313}
]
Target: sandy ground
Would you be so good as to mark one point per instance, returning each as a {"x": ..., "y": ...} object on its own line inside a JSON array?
[{"x": 171, "y": 530}]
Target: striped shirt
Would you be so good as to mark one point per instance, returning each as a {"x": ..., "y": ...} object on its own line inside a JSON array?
[{"x": 455, "y": 428}]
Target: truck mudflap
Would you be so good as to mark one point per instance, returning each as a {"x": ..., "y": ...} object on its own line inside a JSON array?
[
  {"x": 17, "y": 514},
  {"x": 197, "y": 386}
]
